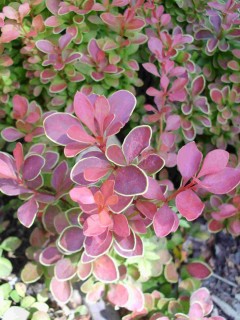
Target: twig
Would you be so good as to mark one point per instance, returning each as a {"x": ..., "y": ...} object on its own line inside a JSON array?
[
  {"x": 225, "y": 307},
  {"x": 230, "y": 283}
]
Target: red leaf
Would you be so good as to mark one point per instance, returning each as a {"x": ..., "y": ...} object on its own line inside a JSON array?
[
  {"x": 199, "y": 270},
  {"x": 189, "y": 205}
]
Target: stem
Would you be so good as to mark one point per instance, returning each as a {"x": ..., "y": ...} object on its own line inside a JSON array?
[
  {"x": 183, "y": 188},
  {"x": 160, "y": 132}
]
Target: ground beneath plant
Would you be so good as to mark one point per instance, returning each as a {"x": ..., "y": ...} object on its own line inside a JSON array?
[{"x": 222, "y": 252}]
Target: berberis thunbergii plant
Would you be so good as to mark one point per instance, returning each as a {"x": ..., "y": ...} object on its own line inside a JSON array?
[{"x": 90, "y": 169}]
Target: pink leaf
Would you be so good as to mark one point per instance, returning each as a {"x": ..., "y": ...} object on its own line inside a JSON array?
[
  {"x": 77, "y": 133},
  {"x": 151, "y": 164},
  {"x": 173, "y": 122},
  {"x": 84, "y": 166},
  {"x": 10, "y": 13},
  {"x": 49, "y": 256},
  {"x": 110, "y": 19},
  {"x": 122, "y": 104},
  {"x": 84, "y": 270},
  {"x": 118, "y": 295},
  {"x": 114, "y": 154},
  {"x": 32, "y": 167},
  {"x": 11, "y": 134},
  {"x": 198, "y": 85},
  {"x": 84, "y": 110},
  {"x": 24, "y": 10},
  {"x": 136, "y": 299},
  {"x": 221, "y": 182},
  {"x": 64, "y": 269},
  {"x": 216, "y": 96},
  {"x": 120, "y": 225},
  {"x": 148, "y": 209},
  {"x": 56, "y": 126},
  {"x": 20, "y": 106},
  {"x": 136, "y": 181},
  {"x": 105, "y": 269},
  {"x": 126, "y": 243},
  {"x": 202, "y": 296},
  {"x": 226, "y": 210},
  {"x": 18, "y": 156},
  {"x": 61, "y": 290},
  {"x": 136, "y": 141},
  {"x": 188, "y": 160},
  {"x": 150, "y": 67},
  {"x": 163, "y": 221},
  {"x": 189, "y": 205},
  {"x": 27, "y": 213},
  {"x": 136, "y": 252},
  {"x": 96, "y": 246},
  {"x": 71, "y": 239},
  {"x": 60, "y": 178},
  {"x": 82, "y": 195},
  {"x": 214, "y": 162},
  {"x": 154, "y": 191},
  {"x": 45, "y": 46},
  {"x": 93, "y": 227}
]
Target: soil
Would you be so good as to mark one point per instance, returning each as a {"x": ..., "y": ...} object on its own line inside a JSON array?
[{"x": 223, "y": 255}]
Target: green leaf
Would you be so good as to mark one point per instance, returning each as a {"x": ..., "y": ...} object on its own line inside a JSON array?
[
  {"x": 42, "y": 296},
  {"x": 11, "y": 244},
  {"x": 21, "y": 289},
  {"x": 40, "y": 315},
  {"x": 5, "y": 290},
  {"x": 4, "y": 306},
  {"x": 15, "y": 296},
  {"x": 5, "y": 267},
  {"x": 27, "y": 302},
  {"x": 82, "y": 311},
  {"x": 31, "y": 273},
  {"x": 183, "y": 223}
]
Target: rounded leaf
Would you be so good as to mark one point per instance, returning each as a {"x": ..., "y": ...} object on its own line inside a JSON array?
[
  {"x": 64, "y": 270},
  {"x": 31, "y": 273},
  {"x": 199, "y": 270},
  {"x": 61, "y": 290},
  {"x": 136, "y": 141},
  {"x": 71, "y": 239},
  {"x": 189, "y": 205},
  {"x": 5, "y": 267},
  {"x": 164, "y": 221},
  {"x": 105, "y": 269},
  {"x": 130, "y": 181}
]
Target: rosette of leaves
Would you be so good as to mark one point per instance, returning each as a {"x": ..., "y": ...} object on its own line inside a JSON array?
[
  {"x": 186, "y": 12},
  {"x": 15, "y": 303},
  {"x": 7, "y": 246},
  {"x": 195, "y": 114},
  {"x": 28, "y": 117},
  {"x": 220, "y": 28},
  {"x": 225, "y": 115},
  {"x": 224, "y": 214}
]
